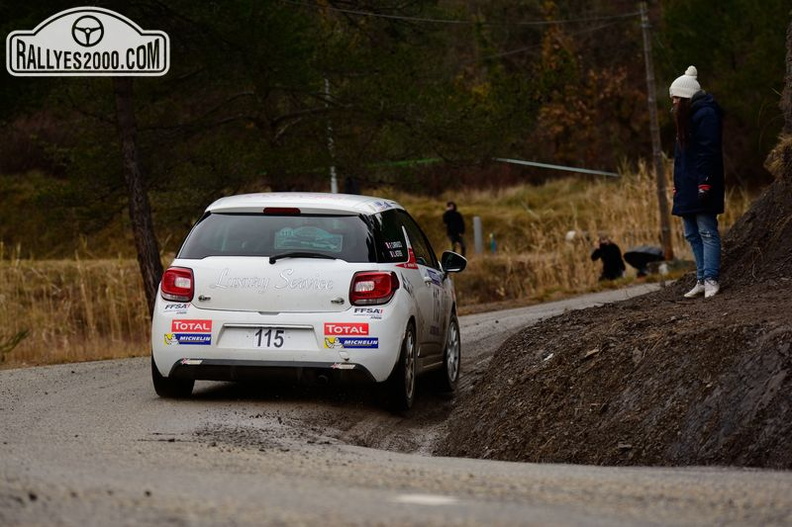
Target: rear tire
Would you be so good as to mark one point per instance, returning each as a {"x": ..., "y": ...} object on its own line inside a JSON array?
[
  {"x": 446, "y": 378},
  {"x": 170, "y": 388},
  {"x": 402, "y": 381}
]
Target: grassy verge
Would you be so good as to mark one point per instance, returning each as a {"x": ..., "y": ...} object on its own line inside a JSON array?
[
  {"x": 536, "y": 257},
  {"x": 70, "y": 310}
]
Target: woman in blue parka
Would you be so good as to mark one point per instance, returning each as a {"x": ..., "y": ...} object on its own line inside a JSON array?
[{"x": 698, "y": 177}]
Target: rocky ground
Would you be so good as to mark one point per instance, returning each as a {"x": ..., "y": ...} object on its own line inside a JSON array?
[{"x": 656, "y": 380}]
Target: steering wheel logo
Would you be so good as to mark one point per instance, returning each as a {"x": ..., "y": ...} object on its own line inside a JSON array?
[{"x": 87, "y": 31}]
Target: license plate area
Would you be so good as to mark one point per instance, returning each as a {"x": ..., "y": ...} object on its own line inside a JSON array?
[{"x": 273, "y": 338}]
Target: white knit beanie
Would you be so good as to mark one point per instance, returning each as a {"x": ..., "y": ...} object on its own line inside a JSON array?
[{"x": 686, "y": 85}]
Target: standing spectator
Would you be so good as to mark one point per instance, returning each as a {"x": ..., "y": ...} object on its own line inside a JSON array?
[
  {"x": 612, "y": 264},
  {"x": 698, "y": 177},
  {"x": 455, "y": 227}
]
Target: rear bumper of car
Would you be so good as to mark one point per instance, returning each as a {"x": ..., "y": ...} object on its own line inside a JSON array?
[
  {"x": 219, "y": 348},
  {"x": 249, "y": 370}
]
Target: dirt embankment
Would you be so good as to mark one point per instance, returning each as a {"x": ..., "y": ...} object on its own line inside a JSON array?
[{"x": 658, "y": 380}]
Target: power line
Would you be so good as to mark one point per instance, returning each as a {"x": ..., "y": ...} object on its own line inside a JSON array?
[
  {"x": 533, "y": 46},
  {"x": 462, "y": 22}
]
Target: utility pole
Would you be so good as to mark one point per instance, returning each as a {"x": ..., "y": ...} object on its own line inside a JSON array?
[
  {"x": 657, "y": 154},
  {"x": 330, "y": 142}
]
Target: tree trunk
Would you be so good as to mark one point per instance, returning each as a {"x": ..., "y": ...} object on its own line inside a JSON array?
[
  {"x": 786, "y": 109},
  {"x": 786, "y": 95},
  {"x": 139, "y": 209}
]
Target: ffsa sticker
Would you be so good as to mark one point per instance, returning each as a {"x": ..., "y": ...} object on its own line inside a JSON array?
[
  {"x": 370, "y": 312},
  {"x": 178, "y": 309}
]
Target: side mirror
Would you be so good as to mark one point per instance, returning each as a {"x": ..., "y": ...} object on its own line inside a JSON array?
[{"x": 452, "y": 262}]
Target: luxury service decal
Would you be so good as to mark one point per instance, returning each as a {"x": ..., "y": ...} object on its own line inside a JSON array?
[{"x": 260, "y": 284}]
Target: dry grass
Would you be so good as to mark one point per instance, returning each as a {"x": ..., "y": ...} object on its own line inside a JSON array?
[
  {"x": 89, "y": 309},
  {"x": 70, "y": 310},
  {"x": 534, "y": 260}
]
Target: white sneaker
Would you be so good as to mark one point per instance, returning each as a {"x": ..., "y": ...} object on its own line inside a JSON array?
[
  {"x": 711, "y": 287},
  {"x": 697, "y": 290}
]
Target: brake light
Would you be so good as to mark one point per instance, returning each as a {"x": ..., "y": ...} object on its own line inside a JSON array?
[
  {"x": 178, "y": 284},
  {"x": 281, "y": 211},
  {"x": 372, "y": 288}
]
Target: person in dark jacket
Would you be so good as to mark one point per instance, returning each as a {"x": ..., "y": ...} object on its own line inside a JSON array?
[
  {"x": 698, "y": 177},
  {"x": 612, "y": 264},
  {"x": 455, "y": 227}
]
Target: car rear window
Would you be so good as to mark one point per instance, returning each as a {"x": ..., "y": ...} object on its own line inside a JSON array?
[{"x": 346, "y": 237}]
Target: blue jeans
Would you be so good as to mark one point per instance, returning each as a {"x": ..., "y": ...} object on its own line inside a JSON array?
[{"x": 701, "y": 232}]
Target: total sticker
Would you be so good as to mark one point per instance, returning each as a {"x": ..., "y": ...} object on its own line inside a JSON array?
[
  {"x": 192, "y": 326},
  {"x": 346, "y": 328}
]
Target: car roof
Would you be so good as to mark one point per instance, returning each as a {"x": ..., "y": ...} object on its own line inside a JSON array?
[{"x": 307, "y": 202}]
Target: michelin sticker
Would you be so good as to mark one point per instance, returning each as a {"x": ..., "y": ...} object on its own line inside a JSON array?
[
  {"x": 199, "y": 339},
  {"x": 351, "y": 342},
  {"x": 87, "y": 42}
]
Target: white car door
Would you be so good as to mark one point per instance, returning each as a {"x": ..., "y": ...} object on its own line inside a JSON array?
[{"x": 429, "y": 291}]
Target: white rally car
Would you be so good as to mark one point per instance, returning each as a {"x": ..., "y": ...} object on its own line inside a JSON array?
[{"x": 330, "y": 287}]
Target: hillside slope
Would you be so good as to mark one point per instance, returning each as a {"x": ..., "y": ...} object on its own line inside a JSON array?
[{"x": 657, "y": 380}]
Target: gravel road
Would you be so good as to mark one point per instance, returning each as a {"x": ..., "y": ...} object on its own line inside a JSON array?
[{"x": 91, "y": 444}]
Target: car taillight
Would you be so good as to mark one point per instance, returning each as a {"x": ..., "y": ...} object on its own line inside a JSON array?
[
  {"x": 178, "y": 284},
  {"x": 281, "y": 211},
  {"x": 371, "y": 288}
]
